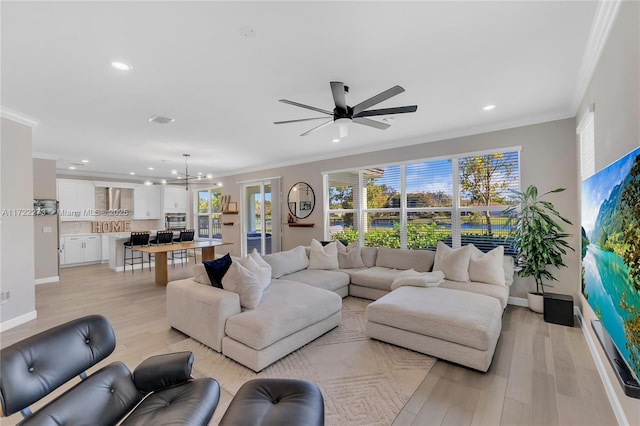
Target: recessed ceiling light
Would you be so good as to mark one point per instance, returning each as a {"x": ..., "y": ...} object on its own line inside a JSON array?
[
  {"x": 336, "y": 140},
  {"x": 149, "y": 168},
  {"x": 148, "y": 182},
  {"x": 174, "y": 171},
  {"x": 132, "y": 173},
  {"x": 121, "y": 66},
  {"x": 209, "y": 176},
  {"x": 488, "y": 108},
  {"x": 163, "y": 181},
  {"x": 85, "y": 161},
  {"x": 72, "y": 167}
]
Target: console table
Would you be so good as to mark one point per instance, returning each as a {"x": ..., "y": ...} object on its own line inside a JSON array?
[{"x": 162, "y": 275}]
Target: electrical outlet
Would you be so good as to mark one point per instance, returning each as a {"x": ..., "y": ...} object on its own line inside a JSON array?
[{"x": 4, "y": 297}]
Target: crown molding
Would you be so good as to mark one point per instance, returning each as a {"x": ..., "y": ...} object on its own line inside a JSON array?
[
  {"x": 603, "y": 20},
  {"x": 18, "y": 117},
  {"x": 45, "y": 156}
]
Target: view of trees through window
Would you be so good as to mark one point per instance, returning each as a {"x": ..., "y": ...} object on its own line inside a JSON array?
[
  {"x": 209, "y": 216},
  {"x": 414, "y": 205}
]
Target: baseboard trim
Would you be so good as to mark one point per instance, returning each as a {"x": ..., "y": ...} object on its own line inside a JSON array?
[
  {"x": 14, "y": 322},
  {"x": 608, "y": 386},
  {"x": 47, "y": 280},
  {"x": 518, "y": 301}
]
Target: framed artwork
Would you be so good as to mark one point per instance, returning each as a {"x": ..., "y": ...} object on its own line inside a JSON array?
[
  {"x": 232, "y": 206},
  {"x": 45, "y": 207}
]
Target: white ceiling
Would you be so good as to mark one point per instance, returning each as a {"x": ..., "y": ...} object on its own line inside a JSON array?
[{"x": 192, "y": 62}]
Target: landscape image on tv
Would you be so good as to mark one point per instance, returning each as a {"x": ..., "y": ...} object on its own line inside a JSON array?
[{"x": 611, "y": 252}]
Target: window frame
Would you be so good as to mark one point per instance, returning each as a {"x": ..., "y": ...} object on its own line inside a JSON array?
[
  {"x": 210, "y": 214},
  {"x": 361, "y": 210}
]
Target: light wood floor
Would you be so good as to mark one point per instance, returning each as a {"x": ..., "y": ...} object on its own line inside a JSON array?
[{"x": 542, "y": 374}]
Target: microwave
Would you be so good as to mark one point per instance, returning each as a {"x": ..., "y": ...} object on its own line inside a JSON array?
[{"x": 175, "y": 221}]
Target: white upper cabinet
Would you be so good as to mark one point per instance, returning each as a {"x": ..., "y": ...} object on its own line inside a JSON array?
[
  {"x": 77, "y": 199},
  {"x": 147, "y": 202},
  {"x": 175, "y": 199}
]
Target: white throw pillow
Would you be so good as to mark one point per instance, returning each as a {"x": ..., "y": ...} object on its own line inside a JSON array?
[
  {"x": 323, "y": 257},
  {"x": 349, "y": 257},
  {"x": 248, "y": 279},
  {"x": 263, "y": 268},
  {"x": 200, "y": 274},
  {"x": 454, "y": 263},
  {"x": 413, "y": 278},
  {"x": 487, "y": 267},
  {"x": 287, "y": 262}
]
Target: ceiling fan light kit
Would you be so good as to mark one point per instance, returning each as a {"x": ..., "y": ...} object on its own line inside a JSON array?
[{"x": 343, "y": 115}]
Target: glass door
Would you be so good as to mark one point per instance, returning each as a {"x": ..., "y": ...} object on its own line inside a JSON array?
[{"x": 261, "y": 216}]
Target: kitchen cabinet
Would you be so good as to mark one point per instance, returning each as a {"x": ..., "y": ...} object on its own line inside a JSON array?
[
  {"x": 146, "y": 202},
  {"x": 105, "y": 248},
  {"x": 76, "y": 200},
  {"x": 175, "y": 199},
  {"x": 81, "y": 249}
]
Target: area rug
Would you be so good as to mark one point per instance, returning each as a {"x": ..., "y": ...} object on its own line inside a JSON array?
[{"x": 363, "y": 381}]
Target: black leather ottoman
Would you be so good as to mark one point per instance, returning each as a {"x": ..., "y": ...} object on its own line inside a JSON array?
[{"x": 276, "y": 402}]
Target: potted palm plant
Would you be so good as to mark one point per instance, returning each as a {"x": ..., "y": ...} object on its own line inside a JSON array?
[{"x": 539, "y": 240}]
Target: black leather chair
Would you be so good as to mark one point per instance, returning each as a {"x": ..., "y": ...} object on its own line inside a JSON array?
[
  {"x": 185, "y": 236},
  {"x": 137, "y": 239},
  {"x": 160, "y": 391}
]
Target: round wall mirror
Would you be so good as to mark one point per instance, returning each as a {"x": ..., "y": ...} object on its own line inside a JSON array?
[{"x": 301, "y": 200}]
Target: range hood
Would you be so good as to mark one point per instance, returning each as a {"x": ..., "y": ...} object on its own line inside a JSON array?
[{"x": 114, "y": 198}]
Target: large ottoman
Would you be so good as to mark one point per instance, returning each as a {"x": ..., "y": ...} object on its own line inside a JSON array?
[{"x": 458, "y": 326}]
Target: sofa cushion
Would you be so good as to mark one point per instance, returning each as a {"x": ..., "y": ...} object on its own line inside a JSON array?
[
  {"x": 376, "y": 277},
  {"x": 414, "y": 278},
  {"x": 499, "y": 292},
  {"x": 286, "y": 308},
  {"x": 369, "y": 256},
  {"x": 420, "y": 260},
  {"x": 286, "y": 262},
  {"x": 453, "y": 262},
  {"x": 349, "y": 257},
  {"x": 217, "y": 268},
  {"x": 323, "y": 256},
  {"x": 508, "y": 266},
  {"x": 248, "y": 279},
  {"x": 461, "y": 317},
  {"x": 487, "y": 267},
  {"x": 328, "y": 280}
]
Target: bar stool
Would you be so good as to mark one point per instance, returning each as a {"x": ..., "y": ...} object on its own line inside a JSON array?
[
  {"x": 137, "y": 239},
  {"x": 186, "y": 235},
  {"x": 162, "y": 238}
]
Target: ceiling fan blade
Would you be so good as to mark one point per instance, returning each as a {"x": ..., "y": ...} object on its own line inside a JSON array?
[
  {"x": 298, "y": 120},
  {"x": 387, "y": 111},
  {"x": 324, "y": 111},
  {"x": 318, "y": 127},
  {"x": 337, "y": 89},
  {"x": 383, "y": 96},
  {"x": 371, "y": 123}
]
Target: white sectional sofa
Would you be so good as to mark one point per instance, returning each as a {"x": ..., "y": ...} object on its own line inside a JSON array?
[{"x": 303, "y": 302}]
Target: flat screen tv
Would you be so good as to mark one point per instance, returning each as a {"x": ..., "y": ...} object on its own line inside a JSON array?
[{"x": 611, "y": 263}]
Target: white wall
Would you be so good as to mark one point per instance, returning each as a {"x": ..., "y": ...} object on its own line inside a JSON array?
[
  {"x": 16, "y": 230},
  {"x": 615, "y": 91},
  {"x": 45, "y": 227}
]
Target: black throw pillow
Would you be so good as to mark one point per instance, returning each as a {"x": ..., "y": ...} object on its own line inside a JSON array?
[{"x": 217, "y": 268}]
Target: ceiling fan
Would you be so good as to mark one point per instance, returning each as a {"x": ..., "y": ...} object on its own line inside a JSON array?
[{"x": 343, "y": 115}]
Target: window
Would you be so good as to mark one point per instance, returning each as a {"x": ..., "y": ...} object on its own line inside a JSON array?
[
  {"x": 458, "y": 200},
  {"x": 208, "y": 217}
]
